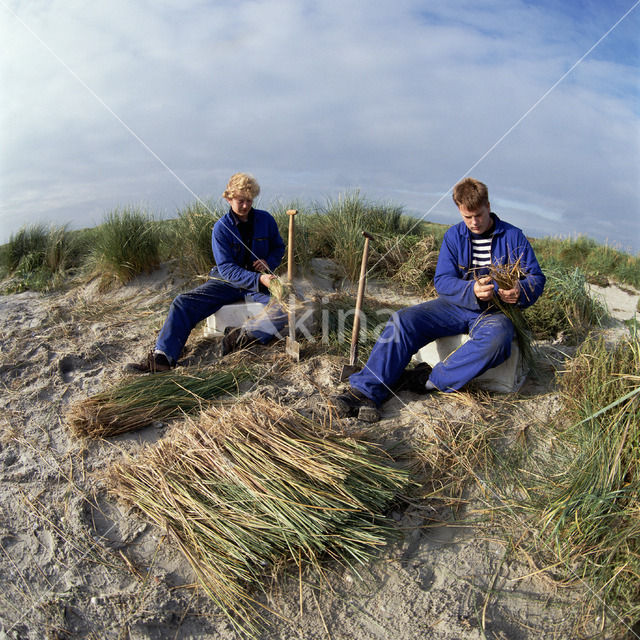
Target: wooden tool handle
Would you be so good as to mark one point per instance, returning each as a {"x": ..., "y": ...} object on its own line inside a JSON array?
[
  {"x": 353, "y": 354},
  {"x": 291, "y": 213}
]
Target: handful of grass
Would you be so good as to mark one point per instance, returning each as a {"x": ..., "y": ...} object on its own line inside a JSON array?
[
  {"x": 280, "y": 290},
  {"x": 137, "y": 402},
  {"x": 247, "y": 490},
  {"x": 506, "y": 275},
  {"x": 283, "y": 295}
]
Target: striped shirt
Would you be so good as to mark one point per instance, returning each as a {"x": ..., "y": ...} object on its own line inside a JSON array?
[{"x": 481, "y": 252}]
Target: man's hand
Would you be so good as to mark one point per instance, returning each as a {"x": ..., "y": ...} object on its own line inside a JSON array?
[
  {"x": 510, "y": 296},
  {"x": 483, "y": 288},
  {"x": 260, "y": 266},
  {"x": 267, "y": 278}
]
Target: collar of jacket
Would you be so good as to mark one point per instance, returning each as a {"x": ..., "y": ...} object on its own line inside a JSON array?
[
  {"x": 235, "y": 218},
  {"x": 499, "y": 227}
]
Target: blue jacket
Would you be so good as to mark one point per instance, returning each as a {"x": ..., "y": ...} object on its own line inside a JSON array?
[
  {"x": 454, "y": 274},
  {"x": 229, "y": 251}
]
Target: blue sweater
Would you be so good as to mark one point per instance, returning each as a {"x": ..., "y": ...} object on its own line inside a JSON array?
[
  {"x": 454, "y": 274},
  {"x": 229, "y": 251}
]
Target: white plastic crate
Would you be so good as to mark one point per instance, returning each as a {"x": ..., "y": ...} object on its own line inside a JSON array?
[
  {"x": 231, "y": 315},
  {"x": 505, "y": 378}
]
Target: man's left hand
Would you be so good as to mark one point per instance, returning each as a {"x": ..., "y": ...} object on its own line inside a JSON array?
[
  {"x": 260, "y": 266},
  {"x": 510, "y": 296}
]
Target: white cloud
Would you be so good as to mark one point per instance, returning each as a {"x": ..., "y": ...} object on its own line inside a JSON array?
[{"x": 319, "y": 97}]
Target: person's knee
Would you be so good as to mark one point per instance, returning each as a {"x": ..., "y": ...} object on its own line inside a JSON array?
[
  {"x": 496, "y": 333},
  {"x": 406, "y": 320},
  {"x": 179, "y": 301}
]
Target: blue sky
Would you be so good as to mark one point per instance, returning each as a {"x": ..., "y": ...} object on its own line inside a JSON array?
[{"x": 104, "y": 105}]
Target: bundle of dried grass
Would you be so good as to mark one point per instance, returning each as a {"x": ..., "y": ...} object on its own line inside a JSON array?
[
  {"x": 137, "y": 402},
  {"x": 280, "y": 290},
  {"x": 246, "y": 490},
  {"x": 506, "y": 275},
  {"x": 283, "y": 295}
]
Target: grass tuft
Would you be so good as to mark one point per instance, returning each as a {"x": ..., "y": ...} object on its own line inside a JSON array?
[
  {"x": 575, "y": 505},
  {"x": 600, "y": 262},
  {"x": 39, "y": 257},
  {"x": 565, "y": 308},
  {"x": 338, "y": 234},
  {"x": 190, "y": 236},
  {"x": 127, "y": 244},
  {"x": 409, "y": 261},
  {"x": 306, "y": 226},
  {"x": 591, "y": 510}
]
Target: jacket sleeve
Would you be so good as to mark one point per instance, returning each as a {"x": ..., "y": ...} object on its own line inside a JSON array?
[
  {"x": 228, "y": 252},
  {"x": 449, "y": 279},
  {"x": 276, "y": 245},
  {"x": 533, "y": 280}
]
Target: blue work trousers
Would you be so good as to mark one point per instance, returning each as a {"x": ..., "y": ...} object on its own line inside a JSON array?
[
  {"x": 190, "y": 308},
  {"x": 408, "y": 330}
]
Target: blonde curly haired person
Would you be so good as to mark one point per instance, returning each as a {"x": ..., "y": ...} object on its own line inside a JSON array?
[
  {"x": 247, "y": 248},
  {"x": 242, "y": 184}
]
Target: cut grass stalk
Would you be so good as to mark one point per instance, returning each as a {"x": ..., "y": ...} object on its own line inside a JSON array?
[
  {"x": 250, "y": 489},
  {"x": 137, "y": 402}
]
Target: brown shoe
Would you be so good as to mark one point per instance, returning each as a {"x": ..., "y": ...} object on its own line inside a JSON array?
[
  {"x": 354, "y": 403},
  {"x": 414, "y": 380},
  {"x": 153, "y": 363},
  {"x": 235, "y": 338}
]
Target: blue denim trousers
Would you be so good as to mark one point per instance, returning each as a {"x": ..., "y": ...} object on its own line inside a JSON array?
[
  {"x": 190, "y": 308},
  {"x": 410, "y": 329}
]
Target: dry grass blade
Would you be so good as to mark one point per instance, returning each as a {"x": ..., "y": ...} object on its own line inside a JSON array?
[
  {"x": 137, "y": 402},
  {"x": 506, "y": 275},
  {"x": 248, "y": 489}
]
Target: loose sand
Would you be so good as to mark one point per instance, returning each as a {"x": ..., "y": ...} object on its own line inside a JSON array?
[{"x": 74, "y": 563}]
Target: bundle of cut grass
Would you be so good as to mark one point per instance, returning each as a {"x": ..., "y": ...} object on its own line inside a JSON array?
[
  {"x": 283, "y": 295},
  {"x": 137, "y": 402},
  {"x": 506, "y": 275},
  {"x": 249, "y": 489}
]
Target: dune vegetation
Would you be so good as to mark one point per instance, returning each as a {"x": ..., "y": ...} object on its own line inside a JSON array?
[{"x": 567, "y": 491}]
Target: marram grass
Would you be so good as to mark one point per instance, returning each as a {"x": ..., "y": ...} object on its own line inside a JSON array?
[
  {"x": 248, "y": 490},
  {"x": 139, "y": 401},
  {"x": 582, "y": 506},
  {"x": 592, "y": 511}
]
